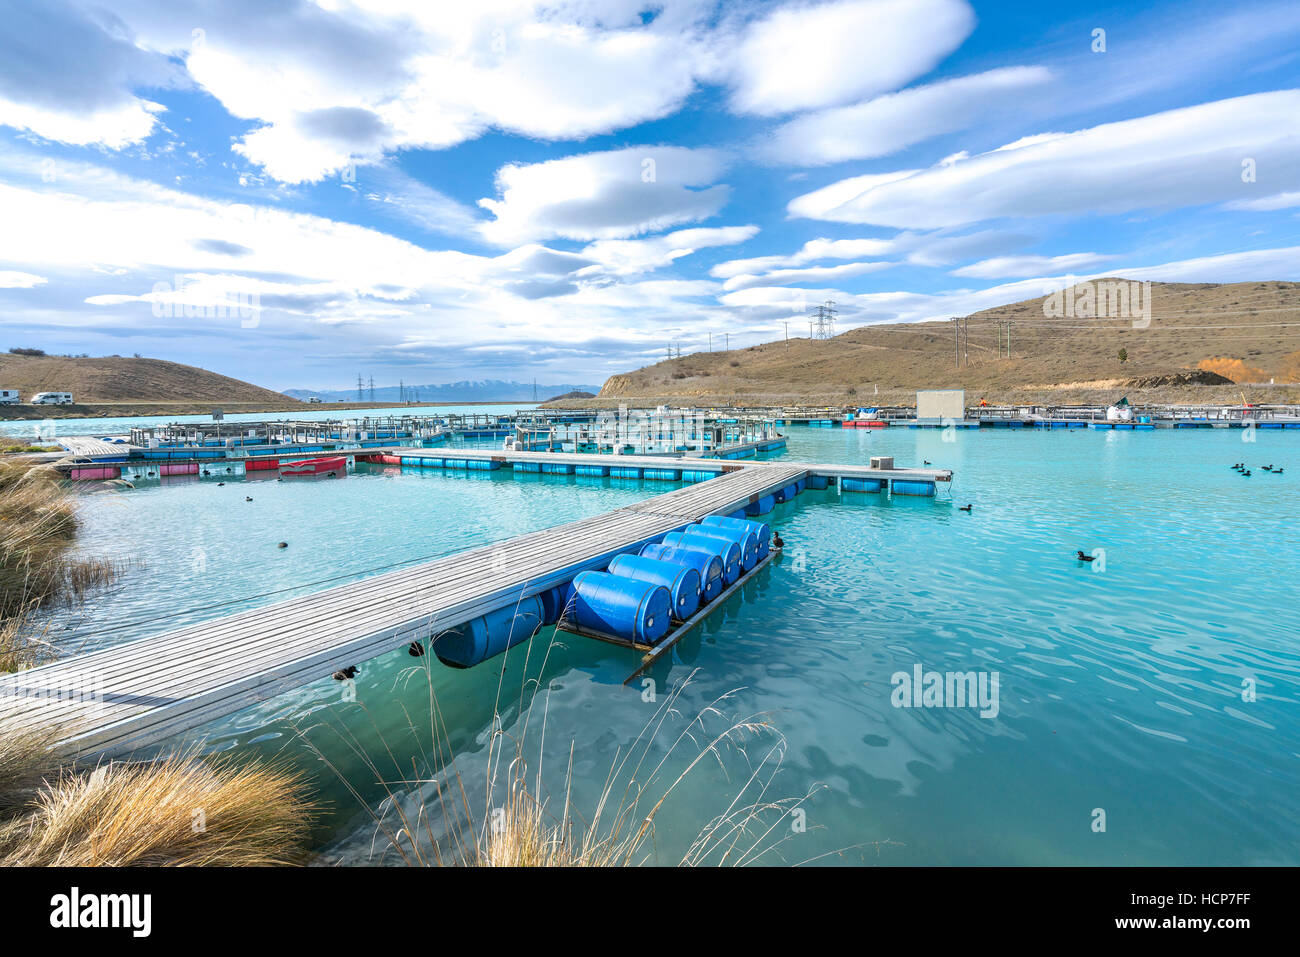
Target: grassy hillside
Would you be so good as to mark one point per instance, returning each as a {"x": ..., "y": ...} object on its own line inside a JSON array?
[
  {"x": 117, "y": 379},
  {"x": 1247, "y": 332}
]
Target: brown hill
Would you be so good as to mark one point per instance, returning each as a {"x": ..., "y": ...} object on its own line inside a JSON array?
[
  {"x": 119, "y": 379},
  {"x": 1251, "y": 329}
]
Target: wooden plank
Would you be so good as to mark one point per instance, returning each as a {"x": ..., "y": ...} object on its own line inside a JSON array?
[{"x": 173, "y": 682}]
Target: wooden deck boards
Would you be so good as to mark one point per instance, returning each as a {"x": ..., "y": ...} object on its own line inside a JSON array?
[{"x": 152, "y": 688}]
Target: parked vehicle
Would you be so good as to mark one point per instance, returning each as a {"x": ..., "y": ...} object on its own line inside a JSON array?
[
  {"x": 52, "y": 398},
  {"x": 10, "y": 397}
]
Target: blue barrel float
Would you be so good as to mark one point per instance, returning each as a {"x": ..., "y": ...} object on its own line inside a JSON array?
[
  {"x": 788, "y": 493},
  {"x": 706, "y": 564},
  {"x": 762, "y": 531},
  {"x": 620, "y": 607},
  {"x": 481, "y": 638},
  {"x": 683, "y": 583},
  {"x": 848, "y": 484},
  {"x": 762, "y": 506},
  {"x": 728, "y": 551},
  {"x": 911, "y": 487},
  {"x": 745, "y": 538}
]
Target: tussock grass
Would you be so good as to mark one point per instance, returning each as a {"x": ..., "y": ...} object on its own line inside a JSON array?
[
  {"x": 427, "y": 817},
  {"x": 39, "y": 518},
  {"x": 175, "y": 811},
  {"x": 27, "y": 759}
]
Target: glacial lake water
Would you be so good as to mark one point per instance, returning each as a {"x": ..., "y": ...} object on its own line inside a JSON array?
[{"x": 1156, "y": 688}]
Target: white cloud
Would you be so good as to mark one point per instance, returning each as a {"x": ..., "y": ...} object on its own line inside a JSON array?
[
  {"x": 625, "y": 257},
  {"x": 814, "y": 55},
  {"x": 609, "y": 195},
  {"x": 20, "y": 280},
  {"x": 811, "y": 251},
  {"x": 895, "y": 121},
  {"x": 1268, "y": 203},
  {"x": 69, "y": 74},
  {"x": 348, "y": 82},
  {"x": 774, "y": 303},
  {"x": 1011, "y": 266},
  {"x": 1181, "y": 157},
  {"x": 788, "y": 277},
  {"x": 115, "y": 128}
]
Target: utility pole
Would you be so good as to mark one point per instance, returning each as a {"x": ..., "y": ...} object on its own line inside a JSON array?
[
  {"x": 401, "y": 391},
  {"x": 728, "y": 335},
  {"x": 965, "y": 341},
  {"x": 787, "y": 333},
  {"x": 710, "y": 342},
  {"x": 956, "y": 343}
]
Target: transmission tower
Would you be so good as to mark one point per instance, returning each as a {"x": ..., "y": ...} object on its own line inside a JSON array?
[
  {"x": 822, "y": 320},
  {"x": 360, "y": 396},
  {"x": 372, "y": 388}
]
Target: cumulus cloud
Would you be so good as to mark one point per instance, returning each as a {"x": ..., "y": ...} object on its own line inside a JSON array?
[
  {"x": 887, "y": 124},
  {"x": 10, "y": 279},
  {"x": 610, "y": 195},
  {"x": 809, "y": 56},
  {"x": 333, "y": 85},
  {"x": 83, "y": 99},
  {"x": 1181, "y": 157}
]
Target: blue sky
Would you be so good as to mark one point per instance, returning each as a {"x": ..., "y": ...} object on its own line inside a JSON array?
[{"x": 298, "y": 192}]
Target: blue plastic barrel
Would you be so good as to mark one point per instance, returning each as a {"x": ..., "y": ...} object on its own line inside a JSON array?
[
  {"x": 706, "y": 564},
  {"x": 553, "y": 601},
  {"x": 726, "y": 550},
  {"x": 683, "y": 583},
  {"x": 622, "y": 607},
  {"x": 743, "y": 537},
  {"x": 762, "y": 506},
  {"x": 848, "y": 484},
  {"x": 762, "y": 531},
  {"x": 482, "y": 638},
  {"x": 787, "y": 494},
  {"x": 908, "y": 487}
]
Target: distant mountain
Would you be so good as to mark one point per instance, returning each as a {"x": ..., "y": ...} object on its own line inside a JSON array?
[
  {"x": 1022, "y": 352},
  {"x": 486, "y": 390}
]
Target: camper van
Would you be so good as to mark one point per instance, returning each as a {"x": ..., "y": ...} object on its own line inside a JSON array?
[
  {"x": 52, "y": 398},
  {"x": 10, "y": 397}
]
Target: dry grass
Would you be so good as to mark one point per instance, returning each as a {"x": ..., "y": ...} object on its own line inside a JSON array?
[
  {"x": 39, "y": 517},
  {"x": 27, "y": 759},
  {"x": 122, "y": 378},
  {"x": 177, "y": 811},
  {"x": 518, "y": 824}
]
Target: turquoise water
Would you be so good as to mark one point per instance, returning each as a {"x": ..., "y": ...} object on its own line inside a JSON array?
[
  {"x": 25, "y": 428},
  {"x": 1120, "y": 688}
]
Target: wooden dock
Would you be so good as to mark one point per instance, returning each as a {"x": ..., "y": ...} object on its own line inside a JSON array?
[{"x": 117, "y": 700}]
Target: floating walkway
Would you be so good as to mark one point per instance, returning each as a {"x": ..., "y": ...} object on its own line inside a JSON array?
[{"x": 133, "y": 695}]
